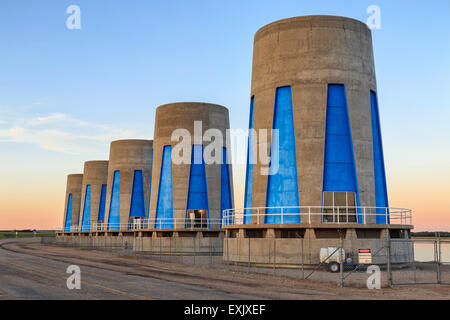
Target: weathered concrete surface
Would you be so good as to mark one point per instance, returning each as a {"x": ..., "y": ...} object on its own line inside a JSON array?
[
  {"x": 127, "y": 156},
  {"x": 95, "y": 174},
  {"x": 304, "y": 248},
  {"x": 93, "y": 242},
  {"x": 289, "y": 251},
  {"x": 182, "y": 115},
  {"x": 179, "y": 245},
  {"x": 308, "y": 53},
  {"x": 74, "y": 184}
]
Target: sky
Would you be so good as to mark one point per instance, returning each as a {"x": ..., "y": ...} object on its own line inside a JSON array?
[{"x": 66, "y": 94}]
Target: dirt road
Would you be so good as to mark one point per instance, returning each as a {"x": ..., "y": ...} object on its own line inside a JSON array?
[{"x": 30, "y": 270}]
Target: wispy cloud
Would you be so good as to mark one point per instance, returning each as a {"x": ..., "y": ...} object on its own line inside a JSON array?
[{"x": 62, "y": 133}]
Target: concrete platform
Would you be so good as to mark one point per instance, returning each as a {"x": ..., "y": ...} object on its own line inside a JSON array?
[
  {"x": 160, "y": 241},
  {"x": 300, "y": 244}
]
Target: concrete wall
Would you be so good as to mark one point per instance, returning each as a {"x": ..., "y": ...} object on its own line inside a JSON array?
[
  {"x": 165, "y": 245},
  {"x": 293, "y": 251},
  {"x": 95, "y": 174},
  {"x": 74, "y": 183},
  {"x": 308, "y": 53},
  {"x": 179, "y": 245},
  {"x": 289, "y": 251},
  {"x": 93, "y": 242},
  {"x": 182, "y": 115},
  {"x": 127, "y": 156}
]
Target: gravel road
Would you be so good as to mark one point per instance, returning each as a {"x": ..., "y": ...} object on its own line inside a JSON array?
[{"x": 30, "y": 270}]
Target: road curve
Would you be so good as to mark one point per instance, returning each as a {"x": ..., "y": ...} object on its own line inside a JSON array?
[{"x": 30, "y": 270}]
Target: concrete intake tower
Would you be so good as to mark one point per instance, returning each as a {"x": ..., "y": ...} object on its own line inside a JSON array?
[{"x": 314, "y": 88}]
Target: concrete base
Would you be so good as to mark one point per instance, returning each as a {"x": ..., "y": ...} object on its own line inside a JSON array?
[
  {"x": 301, "y": 245},
  {"x": 284, "y": 245},
  {"x": 105, "y": 242},
  {"x": 179, "y": 245},
  {"x": 178, "y": 242}
]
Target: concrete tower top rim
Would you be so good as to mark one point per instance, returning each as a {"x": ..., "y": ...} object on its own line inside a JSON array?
[
  {"x": 310, "y": 18},
  {"x": 130, "y": 141},
  {"x": 92, "y": 162},
  {"x": 75, "y": 175},
  {"x": 192, "y": 103}
]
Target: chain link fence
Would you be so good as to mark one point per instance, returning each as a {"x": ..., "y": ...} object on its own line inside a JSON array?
[{"x": 427, "y": 261}]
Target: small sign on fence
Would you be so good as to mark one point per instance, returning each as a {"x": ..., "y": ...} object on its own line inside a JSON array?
[{"x": 364, "y": 256}]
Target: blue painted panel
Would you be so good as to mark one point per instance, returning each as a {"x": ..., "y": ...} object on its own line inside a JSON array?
[
  {"x": 101, "y": 209},
  {"x": 164, "y": 206},
  {"x": 86, "y": 222},
  {"x": 336, "y": 117},
  {"x": 225, "y": 188},
  {"x": 197, "y": 192},
  {"x": 282, "y": 187},
  {"x": 114, "y": 208},
  {"x": 381, "y": 197},
  {"x": 68, "y": 222},
  {"x": 137, "y": 207},
  {"x": 336, "y": 96},
  {"x": 339, "y": 163},
  {"x": 339, "y": 177},
  {"x": 338, "y": 149},
  {"x": 249, "y": 172}
]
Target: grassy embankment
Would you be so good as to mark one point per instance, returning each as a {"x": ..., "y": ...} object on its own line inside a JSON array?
[
  {"x": 25, "y": 234},
  {"x": 427, "y": 234}
]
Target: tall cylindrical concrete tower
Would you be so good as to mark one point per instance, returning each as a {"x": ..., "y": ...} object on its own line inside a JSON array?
[
  {"x": 93, "y": 197},
  {"x": 72, "y": 203},
  {"x": 313, "y": 80},
  {"x": 191, "y": 182},
  {"x": 129, "y": 173}
]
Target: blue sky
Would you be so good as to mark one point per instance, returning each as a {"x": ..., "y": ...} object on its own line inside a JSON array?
[{"x": 65, "y": 94}]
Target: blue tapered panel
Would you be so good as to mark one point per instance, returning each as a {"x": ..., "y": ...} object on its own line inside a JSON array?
[
  {"x": 86, "y": 222},
  {"x": 101, "y": 209},
  {"x": 225, "y": 186},
  {"x": 68, "y": 222},
  {"x": 197, "y": 192},
  {"x": 114, "y": 208},
  {"x": 282, "y": 187},
  {"x": 164, "y": 206},
  {"x": 339, "y": 164},
  {"x": 137, "y": 208},
  {"x": 339, "y": 167},
  {"x": 249, "y": 173},
  {"x": 381, "y": 197}
]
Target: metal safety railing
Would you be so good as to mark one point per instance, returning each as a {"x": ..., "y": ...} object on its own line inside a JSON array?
[
  {"x": 263, "y": 215},
  {"x": 152, "y": 223},
  {"x": 317, "y": 214}
]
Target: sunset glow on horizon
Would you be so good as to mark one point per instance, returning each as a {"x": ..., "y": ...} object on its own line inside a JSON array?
[
  {"x": 66, "y": 94},
  {"x": 43, "y": 207}
]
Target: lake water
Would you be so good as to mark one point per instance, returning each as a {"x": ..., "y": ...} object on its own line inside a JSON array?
[{"x": 424, "y": 251}]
